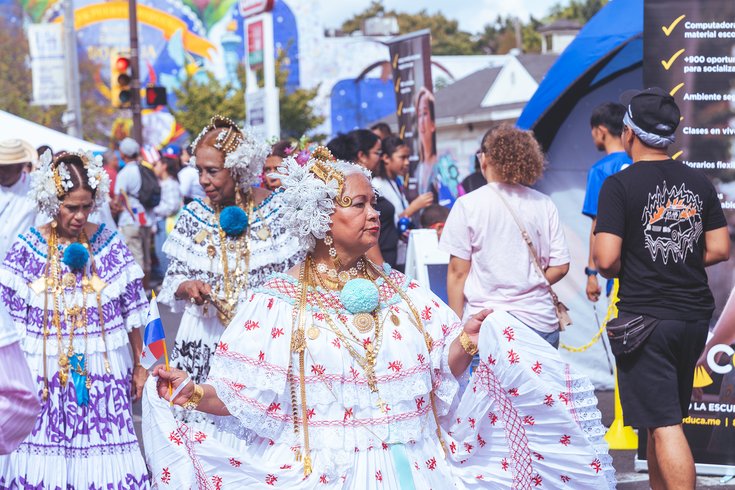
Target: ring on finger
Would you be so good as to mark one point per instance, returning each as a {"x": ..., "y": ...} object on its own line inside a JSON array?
[{"x": 192, "y": 300}]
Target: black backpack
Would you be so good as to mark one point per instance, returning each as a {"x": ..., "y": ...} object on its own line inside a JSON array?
[{"x": 150, "y": 190}]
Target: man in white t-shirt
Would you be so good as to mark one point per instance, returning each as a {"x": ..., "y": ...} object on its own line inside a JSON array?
[
  {"x": 134, "y": 222},
  {"x": 17, "y": 210}
]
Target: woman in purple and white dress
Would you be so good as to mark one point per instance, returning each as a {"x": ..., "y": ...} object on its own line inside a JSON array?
[{"x": 55, "y": 280}]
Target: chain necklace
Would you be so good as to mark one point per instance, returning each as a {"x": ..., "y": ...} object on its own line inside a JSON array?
[
  {"x": 226, "y": 293},
  {"x": 75, "y": 317}
]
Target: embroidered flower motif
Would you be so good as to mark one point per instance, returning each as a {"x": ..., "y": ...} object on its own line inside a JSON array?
[
  {"x": 549, "y": 400},
  {"x": 271, "y": 479},
  {"x": 251, "y": 325},
  {"x": 426, "y": 313},
  {"x": 537, "y": 368},
  {"x": 596, "y": 465},
  {"x": 513, "y": 357},
  {"x": 509, "y": 334},
  {"x": 395, "y": 366},
  {"x": 200, "y": 437},
  {"x": 565, "y": 440},
  {"x": 165, "y": 476},
  {"x": 276, "y": 332},
  {"x": 235, "y": 463},
  {"x": 431, "y": 464}
]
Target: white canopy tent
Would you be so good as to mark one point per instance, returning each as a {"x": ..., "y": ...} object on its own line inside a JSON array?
[{"x": 37, "y": 135}]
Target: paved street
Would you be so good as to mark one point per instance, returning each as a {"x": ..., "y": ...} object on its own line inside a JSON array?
[{"x": 628, "y": 479}]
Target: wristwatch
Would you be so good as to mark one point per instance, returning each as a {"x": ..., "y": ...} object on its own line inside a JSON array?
[
  {"x": 590, "y": 272},
  {"x": 194, "y": 399}
]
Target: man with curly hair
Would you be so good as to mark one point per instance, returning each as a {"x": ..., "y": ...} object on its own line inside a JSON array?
[
  {"x": 660, "y": 223},
  {"x": 491, "y": 266}
]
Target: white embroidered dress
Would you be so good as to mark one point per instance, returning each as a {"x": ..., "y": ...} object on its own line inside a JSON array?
[
  {"x": 186, "y": 247},
  {"x": 525, "y": 420}
]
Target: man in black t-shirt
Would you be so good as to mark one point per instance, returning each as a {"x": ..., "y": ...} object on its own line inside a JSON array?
[{"x": 659, "y": 224}]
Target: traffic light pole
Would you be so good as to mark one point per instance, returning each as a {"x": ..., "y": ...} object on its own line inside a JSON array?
[{"x": 137, "y": 130}]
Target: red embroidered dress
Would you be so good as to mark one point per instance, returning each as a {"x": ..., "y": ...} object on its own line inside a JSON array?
[{"x": 524, "y": 420}]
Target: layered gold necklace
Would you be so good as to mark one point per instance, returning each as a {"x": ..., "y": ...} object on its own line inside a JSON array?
[
  {"x": 307, "y": 276},
  {"x": 234, "y": 279},
  {"x": 56, "y": 285}
]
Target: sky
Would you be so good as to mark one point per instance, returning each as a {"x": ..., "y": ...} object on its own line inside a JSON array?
[{"x": 471, "y": 14}]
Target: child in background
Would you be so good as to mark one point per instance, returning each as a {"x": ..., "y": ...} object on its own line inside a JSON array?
[{"x": 434, "y": 217}]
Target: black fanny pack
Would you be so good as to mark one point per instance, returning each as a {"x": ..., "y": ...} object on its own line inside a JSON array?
[{"x": 629, "y": 331}]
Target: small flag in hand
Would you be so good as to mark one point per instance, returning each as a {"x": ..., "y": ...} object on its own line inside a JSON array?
[{"x": 154, "y": 338}]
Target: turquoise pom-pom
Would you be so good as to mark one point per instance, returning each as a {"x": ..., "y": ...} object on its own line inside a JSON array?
[
  {"x": 233, "y": 220},
  {"x": 76, "y": 256},
  {"x": 360, "y": 296}
]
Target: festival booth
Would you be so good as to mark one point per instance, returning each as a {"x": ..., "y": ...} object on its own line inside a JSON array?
[
  {"x": 603, "y": 61},
  {"x": 37, "y": 135}
]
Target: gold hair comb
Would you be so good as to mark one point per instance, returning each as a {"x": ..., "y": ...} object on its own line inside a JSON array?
[{"x": 326, "y": 173}]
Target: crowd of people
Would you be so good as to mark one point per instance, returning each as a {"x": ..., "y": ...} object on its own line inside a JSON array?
[{"x": 304, "y": 356}]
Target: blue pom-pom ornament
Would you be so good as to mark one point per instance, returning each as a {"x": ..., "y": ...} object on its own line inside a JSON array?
[
  {"x": 233, "y": 220},
  {"x": 360, "y": 296},
  {"x": 76, "y": 256}
]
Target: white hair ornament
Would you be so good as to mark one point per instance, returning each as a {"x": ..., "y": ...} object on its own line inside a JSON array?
[
  {"x": 51, "y": 181},
  {"x": 311, "y": 193}
]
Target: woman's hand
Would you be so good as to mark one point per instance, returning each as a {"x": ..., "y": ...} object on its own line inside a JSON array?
[
  {"x": 195, "y": 291},
  {"x": 172, "y": 378},
  {"x": 473, "y": 324},
  {"x": 140, "y": 374}
]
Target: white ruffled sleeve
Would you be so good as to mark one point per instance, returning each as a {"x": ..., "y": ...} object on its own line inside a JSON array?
[
  {"x": 250, "y": 368},
  {"x": 443, "y": 325}
]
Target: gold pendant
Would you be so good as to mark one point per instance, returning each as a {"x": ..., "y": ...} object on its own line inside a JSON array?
[
  {"x": 298, "y": 342},
  {"x": 264, "y": 233},
  {"x": 211, "y": 251},
  {"x": 63, "y": 361},
  {"x": 39, "y": 285},
  {"x": 313, "y": 333},
  {"x": 363, "y": 322},
  {"x": 201, "y": 236},
  {"x": 97, "y": 283},
  {"x": 343, "y": 276},
  {"x": 231, "y": 246},
  {"x": 69, "y": 280},
  {"x": 394, "y": 318}
]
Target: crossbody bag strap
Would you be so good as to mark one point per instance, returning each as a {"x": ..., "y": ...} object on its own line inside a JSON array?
[{"x": 529, "y": 243}]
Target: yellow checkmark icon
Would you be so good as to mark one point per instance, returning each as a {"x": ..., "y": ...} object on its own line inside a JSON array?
[
  {"x": 667, "y": 64},
  {"x": 676, "y": 89},
  {"x": 676, "y": 155},
  {"x": 672, "y": 26}
]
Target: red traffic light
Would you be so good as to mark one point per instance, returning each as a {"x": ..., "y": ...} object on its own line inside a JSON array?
[
  {"x": 155, "y": 96},
  {"x": 122, "y": 64}
]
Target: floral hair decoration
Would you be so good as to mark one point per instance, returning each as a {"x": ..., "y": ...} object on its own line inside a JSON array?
[
  {"x": 311, "y": 193},
  {"x": 244, "y": 153},
  {"x": 51, "y": 181}
]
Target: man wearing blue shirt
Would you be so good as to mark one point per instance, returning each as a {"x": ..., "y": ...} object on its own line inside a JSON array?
[{"x": 607, "y": 126}]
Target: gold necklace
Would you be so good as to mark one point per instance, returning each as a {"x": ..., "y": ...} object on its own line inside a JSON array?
[
  {"x": 232, "y": 284},
  {"x": 54, "y": 283}
]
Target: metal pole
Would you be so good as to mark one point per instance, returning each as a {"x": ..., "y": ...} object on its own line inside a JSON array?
[
  {"x": 74, "y": 104},
  {"x": 134, "y": 73}
]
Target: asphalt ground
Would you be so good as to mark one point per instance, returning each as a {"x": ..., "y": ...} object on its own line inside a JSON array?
[{"x": 628, "y": 478}]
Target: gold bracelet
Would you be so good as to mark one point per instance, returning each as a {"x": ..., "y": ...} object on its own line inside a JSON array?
[
  {"x": 467, "y": 344},
  {"x": 195, "y": 398}
]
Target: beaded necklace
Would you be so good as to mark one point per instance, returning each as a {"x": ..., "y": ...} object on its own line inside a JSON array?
[
  {"x": 69, "y": 360},
  {"x": 298, "y": 346},
  {"x": 225, "y": 294}
]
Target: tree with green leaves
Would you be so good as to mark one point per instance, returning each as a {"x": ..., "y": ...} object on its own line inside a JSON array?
[
  {"x": 201, "y": 95},
  {"x": 579, "y": 10},
  {"x": 446, "y": 36},
  {"x": 298, "y": 115}
]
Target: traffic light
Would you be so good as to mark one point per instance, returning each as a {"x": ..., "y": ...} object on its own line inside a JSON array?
[
  {"x": 120, "y": 79},
  {"x": 155, "y": 96}
]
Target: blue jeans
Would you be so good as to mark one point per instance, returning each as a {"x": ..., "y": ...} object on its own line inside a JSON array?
[
  {"x": 160, "y": 270},
  {"x": 551, "y": 337}
]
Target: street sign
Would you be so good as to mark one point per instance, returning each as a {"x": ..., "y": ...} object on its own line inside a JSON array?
[
  {"x": 46, "y": 46},
  {"x": 248, "y": 8},
  {"x": 255, "y": 43}
]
